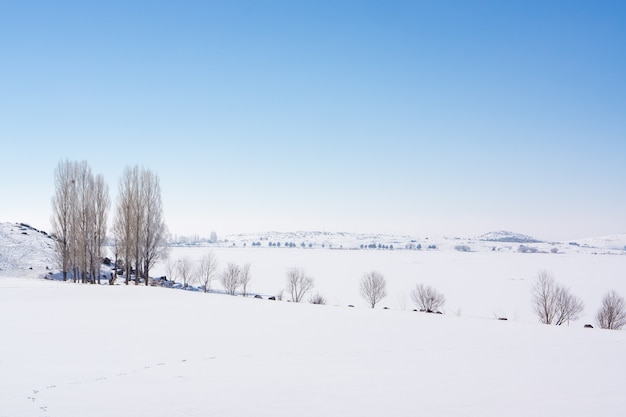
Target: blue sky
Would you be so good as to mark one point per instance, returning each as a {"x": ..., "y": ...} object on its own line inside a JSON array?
[{"x": 416, "y": 117}]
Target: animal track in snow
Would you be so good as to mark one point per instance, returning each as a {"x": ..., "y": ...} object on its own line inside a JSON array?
[{"x": 44, "y": 408}]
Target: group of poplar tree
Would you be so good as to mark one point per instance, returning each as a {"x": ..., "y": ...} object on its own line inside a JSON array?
[{"x": 80, "y": 209}]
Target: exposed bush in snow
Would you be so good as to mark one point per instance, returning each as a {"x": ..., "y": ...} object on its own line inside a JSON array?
[
  {"x": 527, "y": 249},
  {"x": 427, "y": 298},
  {"x": 317, "y": 299}
]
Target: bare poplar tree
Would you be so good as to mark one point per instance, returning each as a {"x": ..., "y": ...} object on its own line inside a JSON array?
[
  {"x": 80, "y": 209},
  {"x": 298, "y": 284},
  {"x": 139, "y": 225},
  {"x": 553, "y": 303},
  {"x": 427, "y": 298},
  {"x": 207, "y": 270},
  {"x": 244, "y": 279},
  {"x": 373, "y": 287},
  {"x": 101, "y": 204},
  {"x": 84, "y": 220},
  {"x": 612, "y": 314},
  {"x": 62, "y": 213},
  {"x": 231, "y": 278},
  {"x": 125, "y": 225},
  {"x": 153, "y": 234}
]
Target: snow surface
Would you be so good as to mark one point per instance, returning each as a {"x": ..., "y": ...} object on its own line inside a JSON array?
[
  {"x": 483, "y": 284},
  {"x": 88, "y": 350}
]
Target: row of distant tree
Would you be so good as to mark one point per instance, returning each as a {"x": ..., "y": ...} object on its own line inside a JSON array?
[
  {"x": 80, "y": 209},
  {"x": 552, "y": 303}
]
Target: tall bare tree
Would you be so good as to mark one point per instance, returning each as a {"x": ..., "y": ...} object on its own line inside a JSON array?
[
  {"x": 153, "y": 234},
  {"x": 80, "y": 209},
  {"x": 373, "y": 287},
  {"x": 101, "y": 204},
  {"x": 139, "y": 226},
  {"x": 62, "y": 213},
  {"x": 207, "y": 271},
  {"x": 612, "y": 314},
  {"x": 124, "y": 224},
  {"x": 298, "y": 284}
]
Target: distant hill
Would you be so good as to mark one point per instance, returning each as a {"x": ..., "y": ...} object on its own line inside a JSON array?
[{"x": 505, "y": 236}]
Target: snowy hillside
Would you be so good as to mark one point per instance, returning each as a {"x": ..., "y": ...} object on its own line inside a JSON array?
[
  {"x": 25, "y": 250},
  {"x": 193, "y": 354},
  {"x": 98, "y": 350}
]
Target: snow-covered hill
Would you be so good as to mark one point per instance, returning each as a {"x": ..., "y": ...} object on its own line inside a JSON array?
[
  {"x": 72, "y": 350},
  {"x": 505, "y": 236},
  {"x": 98, "y": 350},
  {"x": 25, "y": 251}
]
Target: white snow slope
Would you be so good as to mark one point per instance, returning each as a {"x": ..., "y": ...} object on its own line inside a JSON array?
[{"x": 87, "y": 350}]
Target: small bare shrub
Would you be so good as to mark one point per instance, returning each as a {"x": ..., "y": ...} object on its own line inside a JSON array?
[
  {"x": 612, "y": 314},
  {"x": 317, "y": 299},
  {"x": 427, "y": 298}
]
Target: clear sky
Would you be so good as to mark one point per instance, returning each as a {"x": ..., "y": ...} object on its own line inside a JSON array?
[{"x": 414, "y": 117}]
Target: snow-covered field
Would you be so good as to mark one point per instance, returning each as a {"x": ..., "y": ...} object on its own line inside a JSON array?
[
  {"x": 476, "y": 284},
  {"x": 86, "y": 350}
]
